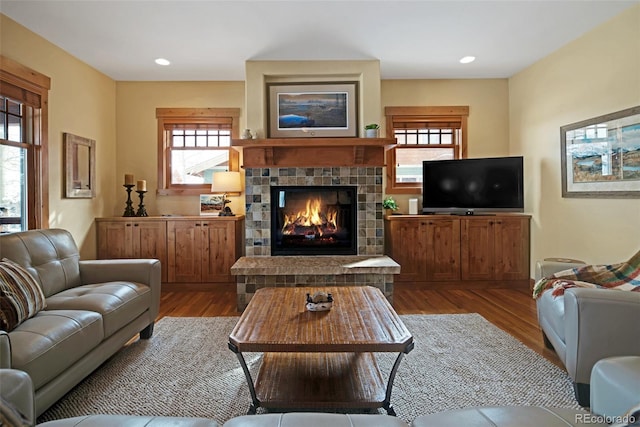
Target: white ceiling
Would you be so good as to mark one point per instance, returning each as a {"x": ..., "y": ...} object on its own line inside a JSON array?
[{"x": 212, "y": 39}]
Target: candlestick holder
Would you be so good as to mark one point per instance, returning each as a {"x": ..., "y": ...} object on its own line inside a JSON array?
[
  {"x": 141, "y": 210},
  {"x": 128, "y": 211}
]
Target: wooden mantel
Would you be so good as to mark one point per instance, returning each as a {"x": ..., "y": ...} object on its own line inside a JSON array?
[{"x": 313, "y": 152}]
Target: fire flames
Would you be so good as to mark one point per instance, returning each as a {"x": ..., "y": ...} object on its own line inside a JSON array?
[{"x": 311, "y": 222}]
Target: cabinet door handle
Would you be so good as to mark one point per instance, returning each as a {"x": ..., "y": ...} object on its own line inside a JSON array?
[
  {"x": 135, "y": 225},
  {"x": 205, "y": 225},
  {"x": 128, "y": 225},
  {"x": 197, "y": 224}
]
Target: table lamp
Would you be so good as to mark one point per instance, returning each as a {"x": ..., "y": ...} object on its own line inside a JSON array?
[{"x": 226, "y": 182}]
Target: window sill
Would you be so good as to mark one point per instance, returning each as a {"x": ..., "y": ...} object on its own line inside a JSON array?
[{"x": 403, "y": 190}]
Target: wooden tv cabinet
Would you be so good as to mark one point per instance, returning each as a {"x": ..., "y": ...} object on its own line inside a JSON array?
[{"x": 450, "y": 251}]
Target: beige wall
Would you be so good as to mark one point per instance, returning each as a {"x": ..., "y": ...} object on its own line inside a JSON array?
[
  {"x": 82, "y": 102},
  {"x": 137, "y": 136},
  {"x": 596, "y": 74},
  {"x": 488, "y": 101}
]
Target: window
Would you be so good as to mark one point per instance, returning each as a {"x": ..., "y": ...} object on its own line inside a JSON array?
[
  {"x": 192, "y": 144},
  {"x": 422, "y": 133},
  {"x": 23, "y": 150}
]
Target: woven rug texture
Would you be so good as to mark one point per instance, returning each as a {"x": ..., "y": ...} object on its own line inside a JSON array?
[{"x": 186, "y": 369}]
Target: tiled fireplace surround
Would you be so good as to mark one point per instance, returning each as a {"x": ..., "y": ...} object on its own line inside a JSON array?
[
  {"x": 258, "y": 269},
  {"x": 258, "y": 182}
]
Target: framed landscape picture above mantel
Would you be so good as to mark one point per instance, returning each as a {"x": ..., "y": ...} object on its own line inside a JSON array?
[
  {"x": 601, "y": 156},
  {"x": 307, "y": 110}
]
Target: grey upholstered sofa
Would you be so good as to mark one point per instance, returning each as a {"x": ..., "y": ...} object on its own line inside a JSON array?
[
  {"x": 16, "y": 390},
  {"x": 92, "y": 309},
  {"x": 586, "y": 325}
]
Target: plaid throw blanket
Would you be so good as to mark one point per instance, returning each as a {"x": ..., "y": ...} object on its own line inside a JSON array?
[{"x": 624, "y": 276}]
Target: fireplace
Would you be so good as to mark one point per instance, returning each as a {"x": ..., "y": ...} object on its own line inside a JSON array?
[
  {"x": 313, "y": 220},
  {"x": 330, "y": 164},
  {"x": 368, "y": 181}
]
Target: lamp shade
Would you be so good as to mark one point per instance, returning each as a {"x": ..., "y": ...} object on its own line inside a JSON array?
[{"x": 226, "y": 182}]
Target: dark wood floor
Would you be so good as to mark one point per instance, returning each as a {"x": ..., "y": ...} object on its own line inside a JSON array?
[{"x": 512, "y": 310}]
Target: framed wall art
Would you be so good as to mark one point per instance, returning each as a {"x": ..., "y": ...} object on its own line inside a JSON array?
[
  {"x": 211, "y": 204},
  {"x": 601, "y": 156},
  {"x": 79, "y": 167},
  {"x": 307, "y": 110}
]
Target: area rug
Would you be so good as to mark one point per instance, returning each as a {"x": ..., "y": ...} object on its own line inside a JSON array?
[{"x": 186, "y": 369}]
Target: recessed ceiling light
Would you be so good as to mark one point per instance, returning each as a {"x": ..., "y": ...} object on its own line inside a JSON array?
[
  {"x": 467, "y": 59},
  {"x": 162, "y": 61}
]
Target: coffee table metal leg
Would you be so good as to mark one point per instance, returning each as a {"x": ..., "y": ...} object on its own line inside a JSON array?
[
  {"x": 392, "y": 376},
  {"x": 254, "y": 398}
]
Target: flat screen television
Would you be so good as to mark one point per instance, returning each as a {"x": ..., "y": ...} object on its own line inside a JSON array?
[{"x": 467, "y": 186}]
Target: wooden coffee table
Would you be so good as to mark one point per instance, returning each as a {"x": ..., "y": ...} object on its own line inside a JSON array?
[{"x": 320, "y": 360}]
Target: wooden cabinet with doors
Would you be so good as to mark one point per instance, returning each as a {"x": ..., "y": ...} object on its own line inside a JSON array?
[
  {"x": 450, "y": 251},
  {"x": 133, "y": 238},
  {"x": 427, "y": 248},
  {"x": 190, "y": 249},
  {"x": 203, "y": 250},
  {"x": 495, "y": 248}
]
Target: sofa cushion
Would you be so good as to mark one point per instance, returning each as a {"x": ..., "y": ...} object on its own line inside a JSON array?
[
  {"x": 315, "y": 419},
  {"x": 552, "y": 309},
  {"x": 20, "y": 296},
  {"x": 51, "y": 256},
  {"x": 118, "y": 302},
  {"x": 507, "y": 416},
  {"x": 52, "y": 341},
  {"x": 130, "y": 421}
]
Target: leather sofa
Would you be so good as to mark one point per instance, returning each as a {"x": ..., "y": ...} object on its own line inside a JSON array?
[
  {"x": 586, "y": 325},
  {"x": 16, "y": 390},
  {"x": 18, "y": 408},
  {"x": 92, "y": 309}
]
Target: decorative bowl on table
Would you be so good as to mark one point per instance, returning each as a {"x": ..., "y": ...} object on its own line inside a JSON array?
[{"x": 319, "y": 301}]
